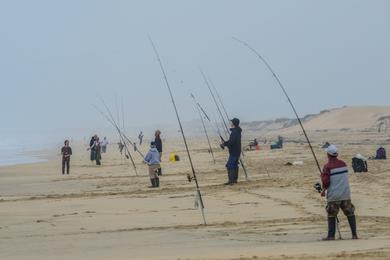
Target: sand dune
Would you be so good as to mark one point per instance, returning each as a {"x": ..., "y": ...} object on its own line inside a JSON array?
[{"x": 347, "y": 118}]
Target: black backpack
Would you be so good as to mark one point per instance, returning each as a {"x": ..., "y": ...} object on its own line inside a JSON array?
[{"x": 359, "y": 165}]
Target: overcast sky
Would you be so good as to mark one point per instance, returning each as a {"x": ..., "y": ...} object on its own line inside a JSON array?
[{"x": 57, "y": 57}]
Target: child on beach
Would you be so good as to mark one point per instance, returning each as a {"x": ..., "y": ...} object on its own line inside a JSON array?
[
  {"x": 66, "y": 152},
  {"x": 152, "y": 158}
]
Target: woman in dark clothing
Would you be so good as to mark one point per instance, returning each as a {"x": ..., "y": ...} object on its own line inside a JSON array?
[
  {"x": 98, "y": 151},
  {"x": 158, "y": 143},
  {"x": 91, "y": 145},
  {"x": 66, "y": 152}
]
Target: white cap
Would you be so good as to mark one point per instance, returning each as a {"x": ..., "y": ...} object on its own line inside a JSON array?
[{"x": 331, "y": 150}]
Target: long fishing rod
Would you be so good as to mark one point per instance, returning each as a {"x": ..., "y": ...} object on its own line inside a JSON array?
[
  {"x": 199, "y": 195},
  {"x": 216, "y": 127},
  {"x": 287, "y": 96},
  {"x": 204, "y": 126},
  {"x": 129, "y": 156},
  {"x": 215, "y": 101},
  {"x": 292, "y": 106},
  {"x": 122, "y": 136},
  {"x": 219, "y": 99},
  {"x": 223, "y": 120},
  {"x": 117, "y": 126}
]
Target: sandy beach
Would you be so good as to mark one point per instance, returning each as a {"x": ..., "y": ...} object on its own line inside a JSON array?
[{"x": 108, "y": 212}]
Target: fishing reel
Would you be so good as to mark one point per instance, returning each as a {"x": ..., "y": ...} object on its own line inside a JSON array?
[
  {"x": 190, "y": 178},
  {"x": 318, "y": 187}
]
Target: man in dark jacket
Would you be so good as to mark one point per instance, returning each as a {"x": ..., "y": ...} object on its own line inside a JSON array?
[{"x": 234, "y": 146}]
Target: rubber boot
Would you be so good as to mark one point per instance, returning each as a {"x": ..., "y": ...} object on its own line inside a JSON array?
[
  {"x": 331, "y": 229},
  {"x": 235, "y": 175},
  {"x": 153, "y": 182},
  {"x": 230, "y": 176},
  {"x": 352, "y": 225},
  {"x": 157, "y": 181}
]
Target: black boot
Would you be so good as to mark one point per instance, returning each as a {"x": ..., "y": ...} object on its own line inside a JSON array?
[
  {"x": 230, "y": 176},
  {"x": 331, "y": 228},
  {"x": 235, "y": 175},
  {"x": 352, "y": 224},
  {"x": 157, "y": 181},
  {"x": 153, "y": 182}
]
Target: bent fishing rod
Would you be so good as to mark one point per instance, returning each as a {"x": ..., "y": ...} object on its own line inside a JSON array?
[
  {"x": 128, "y": 156},
  {"x": 204, "y": 126},
  {"x": 291, "y": 104},
  {"x": 193, "y": 177},
  {"x": 287, "y": 96},
  {"x": 223, "y": 120}
]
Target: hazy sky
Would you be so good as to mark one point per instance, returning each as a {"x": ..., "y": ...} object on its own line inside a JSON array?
[{"x": 56, "y": 57}]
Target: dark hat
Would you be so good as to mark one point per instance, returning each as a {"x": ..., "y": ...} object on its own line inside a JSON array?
[
  {"x": 152, "y": 144},
  {"x": 235, "y": 121}
]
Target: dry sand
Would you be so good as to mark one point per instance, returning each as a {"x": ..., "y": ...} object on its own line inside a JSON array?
[{"x": 109, "y": 213}]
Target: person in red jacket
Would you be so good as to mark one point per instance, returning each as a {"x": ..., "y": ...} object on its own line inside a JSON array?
[{"x": 335, "y": 186}]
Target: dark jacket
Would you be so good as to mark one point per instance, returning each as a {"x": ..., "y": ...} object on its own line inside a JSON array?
[
  {"x": 234, "y": 142},
  {"x": 158, "y": 143}
]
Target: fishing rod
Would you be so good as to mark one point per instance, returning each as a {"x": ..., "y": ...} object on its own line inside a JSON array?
[
  {"x": 216, "y": 127},
  {"x": 122, "y": 133},
  {"x": 128, "y": 156},
  {"x": 204, "y": 126},
  {"x": 216, "y": 103},
  {"x": 219, "y": 99},
  {"x": 193, "y": 177},
  {"x": 292, "y": 106},
  {"x": 287, "y": 96},
  {"x": 223, "y": 120}
]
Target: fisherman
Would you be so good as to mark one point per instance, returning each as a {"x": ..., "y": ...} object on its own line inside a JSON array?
[
  {"x": 335, "y": 184},
  {"x": 234, "y": 146},
  {"x": 140, "y": 138},
  {"x": 152, "y": 158},
  {"x": 158, "y": 143},
  {"x": 104, "y": 144},
  {"x": 91, "y": 145},
  {"x": 98, "y": 149},
  {"x": 66, "y": 152}
]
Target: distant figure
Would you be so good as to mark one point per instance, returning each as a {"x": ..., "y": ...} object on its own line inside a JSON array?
[
  {"x": 152, "y": 158},
  {"x": 381, "y": 154},
  {"x": 158, "y": 143},
  {"x": 234, "y": 146},
  {"x": 140, "y": 138},
  {"x": 120, "y": 147},
  {"x": 278, "y": 144},
  {"x": 91, "y": 145},
  {"x": 98, "y": 151},
  {"x": 66, "y": 152},
  {"x": 335, "y": 186},
  {"x": 104, "y": 144}
]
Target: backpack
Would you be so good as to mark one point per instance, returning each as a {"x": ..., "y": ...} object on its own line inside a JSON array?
[
  {"x": 381, "y": 154},
  {"x": 359, "y": 165}
]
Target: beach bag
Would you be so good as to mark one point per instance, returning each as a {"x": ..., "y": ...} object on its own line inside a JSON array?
[{"x": 359, "y": 165}]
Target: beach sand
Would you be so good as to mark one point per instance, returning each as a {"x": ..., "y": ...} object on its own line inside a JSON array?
[{"x": 108, "y": 212}]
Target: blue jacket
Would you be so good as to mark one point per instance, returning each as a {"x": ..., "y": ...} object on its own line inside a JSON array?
[
  {"x": 152, "y": 157},
  {"x": 234, "y": 142}
]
